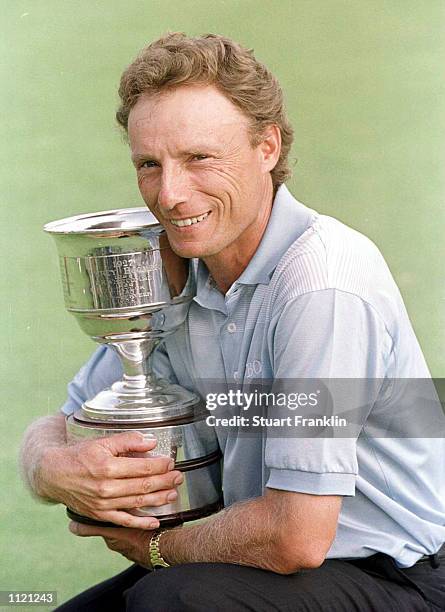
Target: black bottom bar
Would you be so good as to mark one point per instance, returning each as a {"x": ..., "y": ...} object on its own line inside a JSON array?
[{"x": 168, "y": 520}]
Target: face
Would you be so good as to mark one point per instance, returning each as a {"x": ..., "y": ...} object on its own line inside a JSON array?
[{"x": 197, "y": 171}]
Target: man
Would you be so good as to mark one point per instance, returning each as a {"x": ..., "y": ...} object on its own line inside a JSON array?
[{"x": 282, "y": 293}]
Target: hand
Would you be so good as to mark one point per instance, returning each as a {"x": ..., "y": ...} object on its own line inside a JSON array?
[
  {"x": 131, "y": 543},
  {"x": 95, "y": 480}
]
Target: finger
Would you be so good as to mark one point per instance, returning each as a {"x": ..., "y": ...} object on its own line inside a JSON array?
[
  {"x": 125, "y": 487},
  {"x": 139, "y": 501},
  {"x": 126, "y": 467},
  {"x": 126, "y": 442},
  {"x": 86, "y": 531},
  {"x": 118, "y": 518},
  {"x": 128, "y": 520}
]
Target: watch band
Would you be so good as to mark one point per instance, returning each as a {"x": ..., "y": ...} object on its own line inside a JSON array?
[{"x": 156, "y": 559}]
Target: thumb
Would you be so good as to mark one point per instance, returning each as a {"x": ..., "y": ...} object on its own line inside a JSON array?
[
  {"x": 133, "y": 441},
  {"x": 85, "y": 531}
]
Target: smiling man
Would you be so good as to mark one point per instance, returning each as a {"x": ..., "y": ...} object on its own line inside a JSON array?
[{"x": 282, "y": 292}]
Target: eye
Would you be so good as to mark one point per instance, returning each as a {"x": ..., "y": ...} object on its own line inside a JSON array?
[
  {"x": 199, "y": 157},
  {"x": 149, "y": 163}
]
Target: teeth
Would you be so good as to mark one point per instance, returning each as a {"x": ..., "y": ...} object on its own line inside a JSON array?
[{"x": 189, "y": 221}]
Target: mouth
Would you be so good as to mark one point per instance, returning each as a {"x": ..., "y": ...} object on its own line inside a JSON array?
[{"x": 189, "y": 220}]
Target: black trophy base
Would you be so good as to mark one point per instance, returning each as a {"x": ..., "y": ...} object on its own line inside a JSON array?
[{"x": 169, "y": 520}]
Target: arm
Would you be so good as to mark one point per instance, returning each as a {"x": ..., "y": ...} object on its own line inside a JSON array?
[
  {"x": 45, "y": 433},
  {"x": 92, "y": 477},
  {"x": 281, "y": 531}
]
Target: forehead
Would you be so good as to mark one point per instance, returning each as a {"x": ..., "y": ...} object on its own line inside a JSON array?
[{"x": 186, "y": 113}]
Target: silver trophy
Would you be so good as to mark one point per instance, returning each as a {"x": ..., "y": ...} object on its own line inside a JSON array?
[{"x": 129, "y": 290}]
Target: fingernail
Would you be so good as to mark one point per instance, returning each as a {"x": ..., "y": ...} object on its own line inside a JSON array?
[
  {"x": 171, "y": 465},
  {"x": 153, "y": 524},
  {"x": 179, "y": 479},
  {"x": 172, "y": 496}
]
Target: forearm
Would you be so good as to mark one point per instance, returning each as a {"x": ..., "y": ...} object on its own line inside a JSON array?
[
  {"x": 282, "y": 531},
  {"x": 45, "y": 433},
  {"x": 244, "y": 534}
]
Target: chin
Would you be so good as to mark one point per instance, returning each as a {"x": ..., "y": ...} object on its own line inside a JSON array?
[
  {"x": 187, "y": 251},
  {"x": 205, "y": 244}
]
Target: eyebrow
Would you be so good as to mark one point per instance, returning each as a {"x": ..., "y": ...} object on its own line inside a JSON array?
[
  {"x": 138, "y": 157},
  {"x": 196, "y": 150}
]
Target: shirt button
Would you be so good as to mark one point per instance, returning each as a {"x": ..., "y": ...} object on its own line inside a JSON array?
[{"x": 231, "y": 328}]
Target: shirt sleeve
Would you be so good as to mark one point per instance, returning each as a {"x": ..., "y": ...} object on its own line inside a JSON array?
[
  {"x": 324, "y": 335},
  {"x": 102, "y": 370}
]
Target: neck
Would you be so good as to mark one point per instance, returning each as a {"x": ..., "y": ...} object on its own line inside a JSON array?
[{"x": 228, "y": 265}]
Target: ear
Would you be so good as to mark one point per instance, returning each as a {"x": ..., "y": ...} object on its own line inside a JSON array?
[{"x": 270, "y": 147}]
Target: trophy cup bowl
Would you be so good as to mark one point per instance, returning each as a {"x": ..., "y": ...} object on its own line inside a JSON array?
[{"x": 128, "y": 289}]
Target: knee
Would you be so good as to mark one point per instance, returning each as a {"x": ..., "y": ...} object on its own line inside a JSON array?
[{"x": 176, "y": 589}]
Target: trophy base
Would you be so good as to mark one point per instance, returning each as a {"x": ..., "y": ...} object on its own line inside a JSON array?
[{"x": 168, "y": 520}]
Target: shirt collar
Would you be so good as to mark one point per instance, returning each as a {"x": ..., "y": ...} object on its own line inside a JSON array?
[
  {"x": 207, "y": 292},
  {"x": 288, "y": 220}
]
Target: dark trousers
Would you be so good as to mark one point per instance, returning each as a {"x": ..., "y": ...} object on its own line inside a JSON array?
[{"x": 374, "y": 584}]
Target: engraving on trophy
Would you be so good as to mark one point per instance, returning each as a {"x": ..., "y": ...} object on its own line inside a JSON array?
[{"x": 122, "y": 280}]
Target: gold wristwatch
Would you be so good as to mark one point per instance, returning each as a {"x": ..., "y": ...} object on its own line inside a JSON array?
[{"x": 156, "y": 559}]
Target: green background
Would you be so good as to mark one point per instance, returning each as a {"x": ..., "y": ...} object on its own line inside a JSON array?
[{"x": 364, "y": 83}]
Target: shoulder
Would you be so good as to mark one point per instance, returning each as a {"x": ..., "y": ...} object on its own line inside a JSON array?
[{"x": 331, "y": 255}]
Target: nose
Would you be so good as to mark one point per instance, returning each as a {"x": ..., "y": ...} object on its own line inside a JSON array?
[{"x": 173, "y": 189}]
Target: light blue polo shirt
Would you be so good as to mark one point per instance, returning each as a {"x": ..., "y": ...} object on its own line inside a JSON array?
[{"x": 317, "y": 301}]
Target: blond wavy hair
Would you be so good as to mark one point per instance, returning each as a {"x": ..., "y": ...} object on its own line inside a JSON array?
[{"x": 176, "y": 59}]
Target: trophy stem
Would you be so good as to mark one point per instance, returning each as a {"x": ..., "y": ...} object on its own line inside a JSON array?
[{"x": 135, "y": 356}]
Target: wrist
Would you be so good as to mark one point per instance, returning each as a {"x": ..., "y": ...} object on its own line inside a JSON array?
[
  {"x": 40, "y": 477},
  {"x": 157, "y": 559}
]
